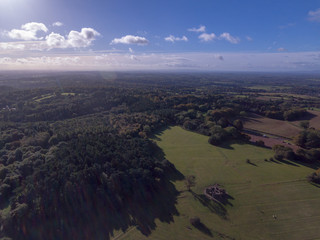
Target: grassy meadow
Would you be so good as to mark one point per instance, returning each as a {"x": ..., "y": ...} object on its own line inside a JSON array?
[{"x": 267, "y": 200}]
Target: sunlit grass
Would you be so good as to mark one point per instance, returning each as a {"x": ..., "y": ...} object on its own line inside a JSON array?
[{"x": 259, "y": 192}]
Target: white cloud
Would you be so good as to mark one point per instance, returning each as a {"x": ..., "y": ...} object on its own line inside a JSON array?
[
  {"x": 314, "y": 15},
  {"x": 34, "y": 27},
  {"x": 130, "y": 50},
  {"x": 130, "y": 39},
  {"x": 57, "y": 24},
  {"x": 74, "y": 39},
  {"x": 82, "y": 39},
  {"x": 173, "y": 39},
  {"x": 55, "y": 40},
  {"x": 229, "y": 38},
  {"x": 249, "y": 38},
  {"x": 206, "y": 37},
  {"x": 201, "y": 28},
  {"x": 28, "y": 31}
]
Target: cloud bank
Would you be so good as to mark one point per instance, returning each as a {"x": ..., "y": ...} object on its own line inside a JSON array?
[
  {"x": 29, "y": 39},
  {"x": 272, "y": 62}
]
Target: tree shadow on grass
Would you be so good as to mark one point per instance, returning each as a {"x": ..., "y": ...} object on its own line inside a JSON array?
[
  {"x": 156, "y": 134},
  {"x": 315, "y": 184},
  {"x": 253, "y": 164},
  {"x": 226, "y": 145},
  {"x": 288, "y": 162},
  {"x": 203, "y": 228},
  {"x": 161, "y": 206},
  {"x": 274, "y": 161},
  {"x": 214, "y": 206},
  {"x": 313, "y": 165}
]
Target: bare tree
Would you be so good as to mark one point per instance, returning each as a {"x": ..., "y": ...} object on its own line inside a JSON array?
[{"x": 190, "y": 181}]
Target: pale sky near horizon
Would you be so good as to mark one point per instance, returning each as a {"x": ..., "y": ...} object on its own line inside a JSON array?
[{"x": 175, "y": 35}]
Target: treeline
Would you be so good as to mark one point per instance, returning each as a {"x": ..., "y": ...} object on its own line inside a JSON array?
[{"x": 278, "y": 109}]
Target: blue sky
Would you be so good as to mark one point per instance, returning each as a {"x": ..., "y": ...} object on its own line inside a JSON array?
[{"x": 208, "y": 35}]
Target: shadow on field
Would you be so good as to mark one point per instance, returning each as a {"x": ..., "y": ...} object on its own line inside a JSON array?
[
  {"x": 214, "y": 206},
  {"x": 156, "y": 134},
  {"x": 227, "y": 144},
  {"x": 297, "y": 163},
  {"x": 203, "y": 228},
  {"x": 274, "y": 161},
  {"x": 307, "y": 116},
  {"x": 253, "y": 164},
  {"x": 161, "y": 206},
  {"x": 288, "y": 162},
  {"x": 314, "y": 184},
  {"x": 313, "y": 165}
]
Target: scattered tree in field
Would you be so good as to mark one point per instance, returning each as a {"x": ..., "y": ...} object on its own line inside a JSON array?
[
  {"x": 190, "y": 181},
  {"x": 304, "y": 124},
  {"x": 282, "y": 152},
  {"x": 260, "y": 143},
  {"x": 238, "y": 124},
  {"x": 309, "y": 138},
  {"x": 314, "y": 177}
]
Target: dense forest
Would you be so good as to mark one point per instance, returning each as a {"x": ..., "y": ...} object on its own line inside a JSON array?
[{"x": 76, "y": 157}]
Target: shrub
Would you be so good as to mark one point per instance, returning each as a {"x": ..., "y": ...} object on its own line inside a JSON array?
[
  {"x": 314, "y": 177},
  {"x": 260, "y": 143}
]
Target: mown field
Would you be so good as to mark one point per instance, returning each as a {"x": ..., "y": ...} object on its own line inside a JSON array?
[
  {"x": 258, "y": 192},
  {"x": 272, "y": 126}
]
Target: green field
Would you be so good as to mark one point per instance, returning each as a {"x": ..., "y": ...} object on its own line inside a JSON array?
[{"x": 257, "y": 192}]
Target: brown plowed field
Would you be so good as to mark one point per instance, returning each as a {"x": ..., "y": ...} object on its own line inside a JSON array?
[
  {"x": 270, "y": 142},
  {"x": 271, "y": 126}
]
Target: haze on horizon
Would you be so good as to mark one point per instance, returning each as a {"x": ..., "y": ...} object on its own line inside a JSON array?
[{"x": 115, "y": 35}]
